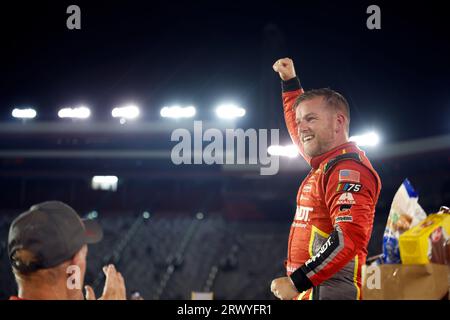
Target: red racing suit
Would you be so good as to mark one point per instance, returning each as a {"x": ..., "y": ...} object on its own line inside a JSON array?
[{"x": 334, "y": 217}]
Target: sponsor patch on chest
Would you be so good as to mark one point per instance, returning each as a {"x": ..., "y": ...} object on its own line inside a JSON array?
[
  {"x": 302, "y": 197},
  {"x": 307, "y": 188},
  {"x": 303, "y": 213}
]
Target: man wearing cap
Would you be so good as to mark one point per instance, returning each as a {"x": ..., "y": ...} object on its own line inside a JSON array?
[
  {"x": 335, "y": 203},
  {"x": 47, "y": 247}
]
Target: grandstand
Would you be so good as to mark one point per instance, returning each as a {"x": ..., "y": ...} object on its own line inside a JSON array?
[{"x": 206, "y": 228}]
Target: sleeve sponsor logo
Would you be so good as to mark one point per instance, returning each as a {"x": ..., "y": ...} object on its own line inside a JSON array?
[
  {"x": 322, "y": 249},
  {"x": 348, "y": 175},
  {"x": 345, "y": 207},
  {"x": 344, "y": 219},
  {"x": 346, "y": 198},
  {"x": 349, "y": 187}
]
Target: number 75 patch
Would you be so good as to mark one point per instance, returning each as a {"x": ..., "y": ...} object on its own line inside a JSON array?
[{"x": 349, "y": 187}]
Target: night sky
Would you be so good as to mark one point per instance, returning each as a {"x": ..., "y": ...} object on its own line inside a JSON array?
[{"x": 203, "y": 52}]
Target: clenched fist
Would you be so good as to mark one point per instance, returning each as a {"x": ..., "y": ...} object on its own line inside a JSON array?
[
  {"x": 285, "y": 68},
  {"x": 283, "y": 288}
]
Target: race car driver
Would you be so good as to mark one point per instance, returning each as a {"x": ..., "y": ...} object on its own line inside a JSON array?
[{"x": 335, "y": 202}]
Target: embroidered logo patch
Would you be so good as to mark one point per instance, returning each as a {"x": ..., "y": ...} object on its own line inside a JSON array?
[
  {"x": 345, "y": 207},
  {"x": 348, "y": 187},
  {"x": 302, "y": 213},
  {"x": 302, "y": 197},
  {"x": 346, "y": 198},
  {"x": 344, "y": 219},
  {"x": 348, "y": 175},
  {"x": 307, "y": 188}
]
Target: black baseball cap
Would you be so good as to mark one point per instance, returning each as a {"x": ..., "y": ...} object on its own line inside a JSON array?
[{"x": 52, "y": 232}]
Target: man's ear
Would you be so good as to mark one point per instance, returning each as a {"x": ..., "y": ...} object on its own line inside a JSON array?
[
  {"x": 80, "y": 256},
  {"x": 341, "y": 122}
]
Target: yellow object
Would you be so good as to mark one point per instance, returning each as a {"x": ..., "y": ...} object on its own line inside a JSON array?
[{"x": 427, "y": 242}]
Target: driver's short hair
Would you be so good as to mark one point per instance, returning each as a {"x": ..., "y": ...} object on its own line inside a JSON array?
[{"x": 332, "y": 98}]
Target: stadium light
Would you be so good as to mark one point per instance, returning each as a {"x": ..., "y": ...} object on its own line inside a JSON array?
[
  {"x": 104, "y": 183},
  {"x": 178, "y": 112},
  {"x": 230, "y": 111},
  {"x": 370, "y": 139},
  {"x": 126, "y": 112},
  {"x": 92, "y": 215},
  {"x": 75, "y": 113},
  {"x": 27, "y": 113},
  {"x": 290, "y": 151},
  {"x": 199, "y": 215}
]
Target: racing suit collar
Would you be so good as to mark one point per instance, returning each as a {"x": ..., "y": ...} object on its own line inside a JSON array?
[{"x": 316, "y": 161}]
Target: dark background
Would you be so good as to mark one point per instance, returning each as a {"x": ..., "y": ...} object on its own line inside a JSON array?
[
  {"x": 204, "y": 52},
  {"x": 201, "y": 52}
]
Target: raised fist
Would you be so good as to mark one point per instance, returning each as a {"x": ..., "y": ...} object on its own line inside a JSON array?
[{"x": 285, "y": 68}]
